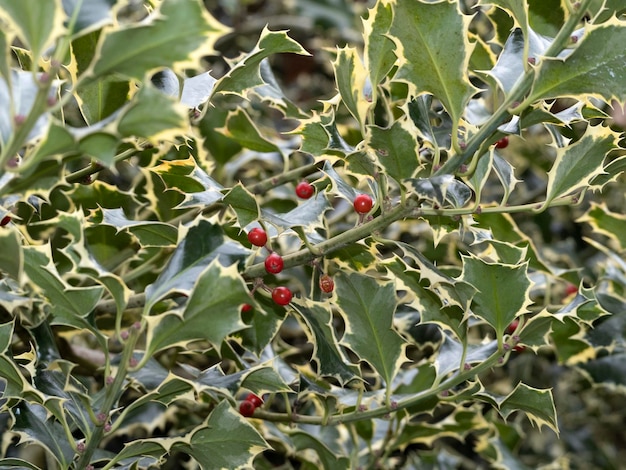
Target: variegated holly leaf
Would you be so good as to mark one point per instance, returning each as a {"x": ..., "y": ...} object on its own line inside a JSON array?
[
  {"x": 595, "y": 67},
  {"x": 492, "y": 303},
  {"x": 577, "y": 164},
  {"x": 227, "y": 440},
  {"x": 397, "y": 148},
  {"x": 331, "y": 360},
  {"x": 211, "y": 313},
  {"x": 159, "y": 41},
  {"x": 537, "y": 405},
  {"x": 367, "y": 306},
  {"x": 351, "y": 76},
  {"x": 245, "y": 73},
  {"x": 433, "y": 52},
  {"x": 379, "y": 54}
]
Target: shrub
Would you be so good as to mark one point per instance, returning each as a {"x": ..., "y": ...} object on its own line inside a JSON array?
[{"x": 138, "y": 319}]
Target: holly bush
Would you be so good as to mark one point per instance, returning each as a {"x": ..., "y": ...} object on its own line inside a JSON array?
[{"x": 445, "y": 290}]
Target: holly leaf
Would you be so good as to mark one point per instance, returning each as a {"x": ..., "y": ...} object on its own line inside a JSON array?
[
  {"x": 226, "y": 441},
  {"x": 432, "y": 37},
  {"x": 537, "y": 404},
  {"x": 245, "y": 74},
  {"x": 331, "y": 361},
  {"x": 211, "y": 313},
  {"x": 577, "y": 164},
  {"x": 158, "y": 41},
  {"x": 596, "y": 60},
  {"x": 239, "y": 126},
  {"x": 606, "y": 222},
  {"x": 11, "y": 255},
  {"x": 367, "y": 306},
  {"x": 351, "y": 76},
  {"x": 379, "y": 54},
  {"x": 38, "y": 22},
  {"x": 503, "y": 291},
  {"x": 243, "y": 203},
  {"x": 396, "y": 148}
]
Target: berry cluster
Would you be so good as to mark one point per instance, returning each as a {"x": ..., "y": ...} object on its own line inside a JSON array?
[
  {"x": 249, "y": 404},
  {"x": 274, "y": 263}
]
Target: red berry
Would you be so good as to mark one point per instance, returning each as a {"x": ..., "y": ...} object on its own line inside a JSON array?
[
  {"x": 5, "y": 220},
  {"x": 326, "y": 283},
  {"x": 502, "y": 143},
  {"x": 305, "y": 190},
  {"x": 246, "y": 307},
  {"x": 246, "y": 408},
  {"x": 255, "y": 400},
  {"x": 512, "y": 327},
  {"x": 363, "y": 203},
  {"x": 570, "y": 289},
  {"x": 281, "y": 295},
  {"x": 257, "y": 236},
  {"x": 274, "y": 263}
]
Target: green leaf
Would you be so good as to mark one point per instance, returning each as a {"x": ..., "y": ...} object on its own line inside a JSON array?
[
  {"x": 503, "y": 291},
  {"x": 159, "y": 41},
  {"x": 309, "y": 214},
  {"x": 140, "y": 448},
  {"x": 67, "y": 303},
  {"x": 518, "y": 9},
  {"x": 429, "y": 306},
  {"x": 606, "y": 222},
  {"x": 11, "y": 255},
  {"x": 153, "y": 115},
  {"x": 577, "y": 164},
  {"x": 226, "y": 441},
  {"x": 433, "y": 52},
  {"x": 246, "y": 74},
  {"x": 331, "y": 361},
  {"x": 100, "y": 98},
  {"x": 304, "y": 441},
  {"x": 38, "y": 22},
  {"x": 263, "y": 380},
  {"x": 211, "y": 313},
  {"x": 351, "y": 76},
  {"x": 149, "y": 233},
  {"x": 396, "y": 148},
  {"x": 367, "y": 306},
  {"x": 607, "y": 370},
  {"x": 537, "y": 404},
  {"x": 239, "y": 127},
  {"x": 19, "y": 464},
  {"x": 596, "y": 60},
  {"x": 379, "y": 49},
  {"x": 195, "y": 250},
  {"x": 33, "y": 425}
]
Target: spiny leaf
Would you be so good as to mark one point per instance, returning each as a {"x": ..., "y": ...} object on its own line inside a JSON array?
[
  {"x": 368, "y": 306},
  {"x": 379, "y": 49},
  {"x": 159, "y": 41},
  {"x": 595, "y": 61},
  {"x": 396, "y": 148},
  {"x": 38, "y": 22},
  {"x": 33, "y": 425},
  {"x": 196, "y": 248},
  {"x": 351, "y": 76},
  {"x": 537, "y": 404},
  {"x": 211, "y": 313},
  {"x": 331, "y": 361},
  {"x": 606, "y": 222},
  {"x": 433, "y": 51},
  {"x": 152, "y": 115},
  {"x": 67, "y": 303},
  {"x": 577, "y": 164},
  {"x": 239, "y": 126},
  {"x": 11, "y": 255},
  {"x": 243, "y": 203},
  {"x": 226, "y": 441},
  {"x": 492, "y": 303},
  {"x": 246, "y": 74}
]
